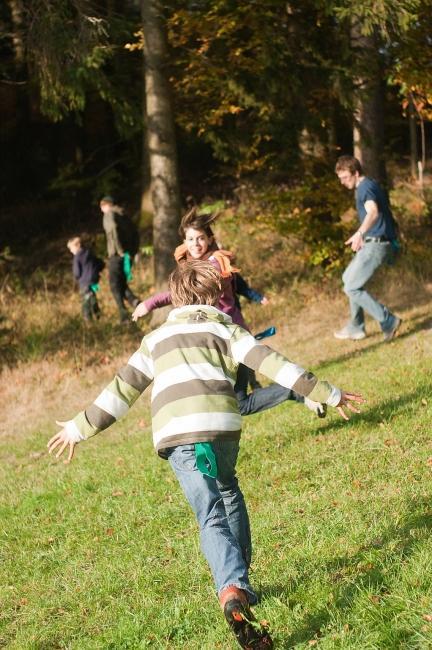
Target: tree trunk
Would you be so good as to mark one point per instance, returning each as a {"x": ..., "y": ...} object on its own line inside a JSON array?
[
  {"x": 368, "y": 132},
  {"x": 16, "y": 10},
  {"x": 161, "y": 144},
  {"x": 412, "y": 121}
]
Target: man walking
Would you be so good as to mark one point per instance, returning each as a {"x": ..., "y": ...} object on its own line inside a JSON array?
[
  {"x": 373, "y": 244},
  {"x": 122, "y": 245}
]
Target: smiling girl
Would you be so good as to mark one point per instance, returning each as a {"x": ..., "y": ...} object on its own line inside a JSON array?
[{"x": 199, "y": 244}]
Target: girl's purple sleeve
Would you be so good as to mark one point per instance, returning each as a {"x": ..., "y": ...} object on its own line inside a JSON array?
[{"x": 158, "y": 300}]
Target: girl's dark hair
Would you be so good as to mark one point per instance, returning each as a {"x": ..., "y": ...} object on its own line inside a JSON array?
[{"x": 193, "y": 219}]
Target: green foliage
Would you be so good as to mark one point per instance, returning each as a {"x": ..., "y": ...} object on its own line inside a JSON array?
[
  {"x": 390, "y": 17},
  {"x": 247, "y": 82},
  {"x": 72, "y": 50},
  {"x": 412, "y": 70},
  {"x": 208, "y": 208},
  {"x": 311, "y": 213}
]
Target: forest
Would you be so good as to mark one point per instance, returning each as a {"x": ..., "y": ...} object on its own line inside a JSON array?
[{"x": 251, "y": 99}]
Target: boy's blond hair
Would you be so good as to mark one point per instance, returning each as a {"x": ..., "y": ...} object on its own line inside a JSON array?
[{"x": 195, "y": 283}]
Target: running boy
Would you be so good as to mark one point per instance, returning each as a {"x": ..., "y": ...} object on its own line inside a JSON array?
[
  {"x": 86, "y": 268},
  {"x": 192, "y": 359}
]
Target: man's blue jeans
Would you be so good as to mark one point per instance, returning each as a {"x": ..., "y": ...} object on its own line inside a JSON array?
[
  {"x": 221, "y": 512},
  {"x": 364, "y": 264}
]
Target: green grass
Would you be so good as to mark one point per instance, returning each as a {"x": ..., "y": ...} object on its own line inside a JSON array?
[{"x": 104, "y": 553}]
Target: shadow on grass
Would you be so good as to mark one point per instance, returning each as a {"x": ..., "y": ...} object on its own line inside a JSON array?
[
  {"x": 357, "y": 573},
  {"x": 408, "y": 328},
  {"x": 385, "y": 409},
  {"x": 416, "y": 527},
  {"x": 74, "y": 337}
]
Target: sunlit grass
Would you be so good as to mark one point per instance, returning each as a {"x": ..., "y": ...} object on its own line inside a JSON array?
[{"x": 104, "y": 553}]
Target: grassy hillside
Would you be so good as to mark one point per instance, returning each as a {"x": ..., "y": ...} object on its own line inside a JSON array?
[{"x": 104, "y": 553}]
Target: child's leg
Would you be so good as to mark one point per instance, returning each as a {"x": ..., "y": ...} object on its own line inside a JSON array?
[
  {"x": 117, "y": 282},
  {"x": 265, "y": 398},
  {"x": 86, "y": 304},
  {"x": 94, "y": 307},
  {"x": 219, "y": 545},
  {"x": 131, "y": 297},
  {"x": 235, "y": 507}
]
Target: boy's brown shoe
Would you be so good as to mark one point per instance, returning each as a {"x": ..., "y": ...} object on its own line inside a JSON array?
[{"x": 248, "y": 632}]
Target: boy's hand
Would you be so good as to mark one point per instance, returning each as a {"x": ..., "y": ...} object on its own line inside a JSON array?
[
  {"x": 346, "y": 399},
  {"x": 62, "y": 439},
  {"x": 265, "y": 301},
  {"x": 140, "y": 310}
]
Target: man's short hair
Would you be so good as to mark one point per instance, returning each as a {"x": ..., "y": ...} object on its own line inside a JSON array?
[
  {"x": 195, "y": 283},
  {"x": 348, "y": 163}
]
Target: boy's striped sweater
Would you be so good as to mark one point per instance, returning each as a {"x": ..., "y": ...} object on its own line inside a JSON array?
[{"x": 192, "y": 360}]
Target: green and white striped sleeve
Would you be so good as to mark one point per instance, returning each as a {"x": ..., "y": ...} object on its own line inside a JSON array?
[
  {"x": 247, "y": 350},
  {"x": 117, "y": 398}
]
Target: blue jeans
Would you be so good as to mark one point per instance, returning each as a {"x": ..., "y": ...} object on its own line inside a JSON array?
[
  {"x": 260, "y": 399},
  {"x": 220, "y": 509},
  {"x": 364, "y": 264}
]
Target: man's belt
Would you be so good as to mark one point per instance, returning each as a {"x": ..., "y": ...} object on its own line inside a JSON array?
[{"x": 377, "y": 239}]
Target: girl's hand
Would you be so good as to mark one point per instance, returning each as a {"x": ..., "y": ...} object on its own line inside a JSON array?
[
  {"x": 265, "y": 301},
  {"x": 346, "y": 400},
  {"x": 140, "y": 310},
  {"x": 62, "y": 439}
]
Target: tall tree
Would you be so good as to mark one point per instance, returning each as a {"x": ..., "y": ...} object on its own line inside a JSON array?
[
  {"x": 161, "y": 142},
  {"x": 368, "y": 102}
]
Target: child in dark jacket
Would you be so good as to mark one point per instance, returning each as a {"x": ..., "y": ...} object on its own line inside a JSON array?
[{"x": 86, "y": 268}]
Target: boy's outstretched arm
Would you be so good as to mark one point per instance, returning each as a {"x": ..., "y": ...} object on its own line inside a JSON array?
[
  {"x": 112, "y": 403},
  {"x": 247, "y": 350}
]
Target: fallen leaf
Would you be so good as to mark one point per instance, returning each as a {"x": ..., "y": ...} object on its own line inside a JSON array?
[
  {"x": 23, "y": 601},
  {"x": 424, "y": 401},
  {"x": 427, "y": 617},
  {"x": 36, "y": 454},
  {"x": 109, "y": 532},
  {"x": 117, "y": 493},
  {"x": 142, "y": 424}
]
